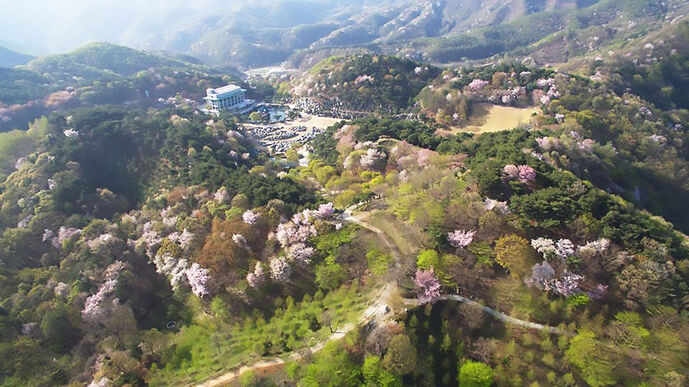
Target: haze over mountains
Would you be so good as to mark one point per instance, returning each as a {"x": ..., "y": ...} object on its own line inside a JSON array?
[
  {"x": 11, "y": 58},
  {"x": 263, "y": 33}
]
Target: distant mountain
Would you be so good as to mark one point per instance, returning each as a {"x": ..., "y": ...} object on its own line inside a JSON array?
[
  {"x": 10, "y": 58},
  {"x": 268, "y": 34},
  {"x": 441, "y": 31},
  {"x": 259, "y": 34},
  {"x": 104, "y": 59},
  {"x": 98, "y": 74},
  {"x": 553, "y": 33}
]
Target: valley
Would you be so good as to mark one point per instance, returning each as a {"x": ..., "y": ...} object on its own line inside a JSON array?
[{"x": 371, "y": 193}]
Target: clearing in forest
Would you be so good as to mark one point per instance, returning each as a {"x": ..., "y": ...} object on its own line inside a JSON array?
[{"x": 494, "y": 118}]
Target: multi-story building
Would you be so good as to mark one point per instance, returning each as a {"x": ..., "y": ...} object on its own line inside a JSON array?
[{"x": 228, "y": 97}]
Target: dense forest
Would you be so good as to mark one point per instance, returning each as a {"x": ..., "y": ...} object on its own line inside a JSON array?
[
  {"x": 145, "y": 243},
  {"x": 365, "y": 82}
]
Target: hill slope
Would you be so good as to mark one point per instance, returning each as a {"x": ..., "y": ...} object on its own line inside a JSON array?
[
  {"x": 103, "y": 59},
  {"x": 269, "y": 33},
  {"x": 10, "y": 58}
]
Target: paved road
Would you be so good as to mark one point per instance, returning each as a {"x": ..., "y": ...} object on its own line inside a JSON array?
[{"x": 498, "y": 315}]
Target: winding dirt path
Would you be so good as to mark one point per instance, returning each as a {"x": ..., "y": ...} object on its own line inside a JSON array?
[
  {"x": 348, "y": 217},
  {"x": 377, "y": 311},
  {"x": 497, "y": 315}
]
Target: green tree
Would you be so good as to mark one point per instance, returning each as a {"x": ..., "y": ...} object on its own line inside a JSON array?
[
  {"x": 475, "y": 374},
  {"x": 401, "y": 357},
  {"x": 57, "y": 328},
  {"x": 549, "y": 207},
  {"x": 331, "y": 367},
  {"x": 428, "y": 259},
  {"x": 219, "y": 309},
  {"x": 594, "y": 360},
  {"x": 255, "y": 116},
  {"x": 514, "y": 254},
  {"x": 375, "y": 375},
  {"x": 329, "y": 274}
]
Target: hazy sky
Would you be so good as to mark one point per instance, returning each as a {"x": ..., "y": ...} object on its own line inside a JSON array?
[{"x": 48, "y": 26}]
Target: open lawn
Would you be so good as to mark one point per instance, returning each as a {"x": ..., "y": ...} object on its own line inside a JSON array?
[{"x": 494, "y": 118}]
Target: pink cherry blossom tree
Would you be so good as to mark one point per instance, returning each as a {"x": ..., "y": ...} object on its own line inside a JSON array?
[
  {"x": 257, "y": 277},
  {"x": 300, "y": 253},
  {"x": 567, "y": 285},
  {"x": 198, "y": 280},
  {"x": 428, "y": 286},
  {"x": 477, "y": 84},
  {"x": 280, "y": 270},
  {"x": 250, "y": 217},
  {"x": 373, "y": 159},
  {"x": 461, "y": 238},
  {"x": 325, "y": 211},
  {"x": 526, "y": 173}
]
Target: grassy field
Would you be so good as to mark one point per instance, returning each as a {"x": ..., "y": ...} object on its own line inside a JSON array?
[
  {"x": 494, "y": 118},
  {"x": 405, "y": 237},
  {"x": 199, "y": 353}
]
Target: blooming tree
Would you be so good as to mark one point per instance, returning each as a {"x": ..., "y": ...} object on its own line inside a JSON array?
[
  {"x": 257, "y": 277},
  {"x": 511, "y": 170},
  {"x": 280, "y": 269},
  {"x": 241, "y": 241},
  {"x": 298, "y": 230},
  {"x": 198, "y": 280},
  {"x": 221, "y": 195},
  {"x": 428, "y": 284},
  {"x": 185, "y": 239},
  {"x": 300, "y": 252},
  {"x": 105, "y": 244},
  {"x": 423, "y": 157},
  {"x": 373, "y": 159},
  {"x": 477, "y": 84},
  {"x": 526, "y": 173},
  {"x": 69, "y": 132},
  {"x": 250, "y": 217},
  {"x": 567, "y": 285},
  {"x": 544, "y": 246},
  {"x": 541, "y": 274},
  {"x": 325, "y": 211},
  {"x": 564, "y": 248},
  {"x": 93, "y": 310},
  {"x": 492, "y": 204},
  {"x": 599, "y": 246},
  {"x": 461, "y": 238}
]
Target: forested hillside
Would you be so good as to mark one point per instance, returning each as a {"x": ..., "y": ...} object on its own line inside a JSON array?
[
  {"x": 393, "y": 238},
  {"x": 365, "y": 83},
  {"x": 98, "y": 74}
]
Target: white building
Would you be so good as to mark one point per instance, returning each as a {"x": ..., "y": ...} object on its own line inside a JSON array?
[{"x": 230, "y": 97}]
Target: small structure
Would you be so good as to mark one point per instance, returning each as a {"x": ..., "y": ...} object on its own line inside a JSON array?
[{"x": 230, "y": 97}]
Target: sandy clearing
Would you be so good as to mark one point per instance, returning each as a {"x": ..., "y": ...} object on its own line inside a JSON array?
[{"x": 494, "y": 118}]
